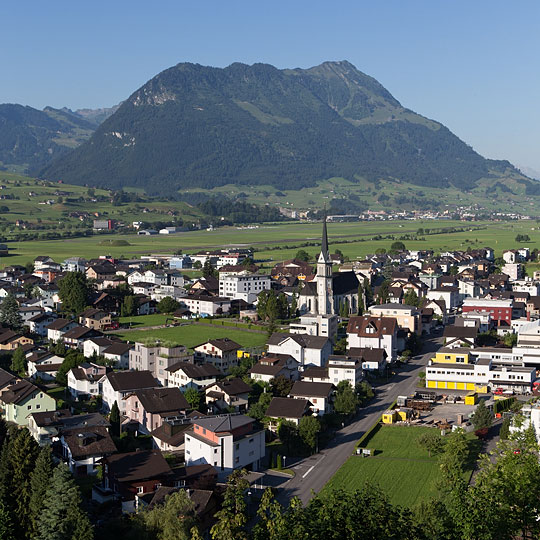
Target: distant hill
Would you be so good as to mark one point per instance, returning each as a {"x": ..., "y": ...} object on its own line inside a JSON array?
[
  {"x": 30, "y": 138},
  {"x": 96, "y": 116},
  {"x": 200, "y": 126}
]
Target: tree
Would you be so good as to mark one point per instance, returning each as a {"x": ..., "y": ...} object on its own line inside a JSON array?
[
  {"x": 361, "y": 299},
  {"x": 232, "y": 518},
  {"x": 208, "y": 269},
  {"x": 39, "y": 482},
  {"x": 432, "y": 442},
  {"x": 272, "y": 524},
  {"x": 281, "y": 386},
  {"x": 364, "y": 391},
  {"x": 384, "y": 292},
  {"x": 258, "y": 410},
  {"x": 72, "y": 359},
  {"x": 172, "y": 520},
  {"x": 510, "y": 340},
  {"x": 346, "y": 399},
  {"x": 18, "y": 362},
  {"x": 129, "y": 306},
  {"x": 167, "y": 305},
  {"x": 288, "y": 434},
  {"x": 9, "y": 313},
  {"x": 193, "y": 397},
  {"x": 482, "y": 417},
  {"x": 114, "y": 419},
  {"x": 62, "y": 518},
  {"x": 368, "y": 293},
  {"x": 308, "y": 429},
  {"x": 23, "y": 452},
  {"x": 302, "y": 255},
  {"x": 6, "y": 524},
  {"x": 411, "y": 299},
  {"x": 505, "y": 429},
  {"x": 397, "y": 246},
  {"x": 74, "y": 292}
]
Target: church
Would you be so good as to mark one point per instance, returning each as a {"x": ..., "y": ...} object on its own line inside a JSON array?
[{"x": 329, "y": 293}]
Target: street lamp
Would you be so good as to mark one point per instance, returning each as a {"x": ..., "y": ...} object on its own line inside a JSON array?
[{"x": 284, "y": 462}]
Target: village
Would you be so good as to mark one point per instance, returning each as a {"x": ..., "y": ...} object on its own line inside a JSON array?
[{"x": 138, "y": 419}]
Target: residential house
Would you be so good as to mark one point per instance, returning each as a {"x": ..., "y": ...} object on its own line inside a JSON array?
[
  {"x": 118, "y": 384},
  {"x": 86, "y": 380},
  {"x": 186, "y": 375},
  {"x": 96, "y": 346},
  {"x": 500, "y": 309},
  {"x": 375, "y": 333},
  {"x": 460, "y": 335},
  {"x": 205, "y": 305},
  {"x": 57, "y": 329},
  {"x": 339, "y": 368},
  {"x": 84, "y": 448},
  {"x": 222, "y": 353},
  {"x": 43, "y": 426},
  {"x": 22, "y": 398},
  {"x": 305, "y": 349},
  {"x": 38, "y": 324},
  {"x": 226, "y": 442},
  {"x": 319, "y": 394},
  {"x": 95, "y": 318},
  {"x": 448, "y": 294},
  {"x": 222, "y": 395},
  {"x": 244, "y": 286},
  {"x": 134, "y": 473},
  {"x": 74, "y": 264},
  {"x": 43, "y": 365},
  {"x": 150, "y": 406},
  {"x": 10, "y": 341},
  {"x": 408, "y": 317},
  {"x": 373, "y": 360},
  {"x": 118, "y": 353},
  {"x": 274, "y": 365},
  {"x": 75, "y": 338},
  {"x": 290, "y": 409}
]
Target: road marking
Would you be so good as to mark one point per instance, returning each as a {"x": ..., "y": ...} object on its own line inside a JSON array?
[{"x": 308, "y": 471}]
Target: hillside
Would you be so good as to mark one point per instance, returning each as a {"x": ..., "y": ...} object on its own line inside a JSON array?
[
  {"x": 30, "y": 138},
  {"x": 195, "y": 126}
]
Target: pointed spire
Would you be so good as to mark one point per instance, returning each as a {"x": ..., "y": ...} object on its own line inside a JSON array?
[{"x": 325, "y": 254}]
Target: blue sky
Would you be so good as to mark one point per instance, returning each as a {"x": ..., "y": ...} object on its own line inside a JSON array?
[{"x": 472, "y": 65}]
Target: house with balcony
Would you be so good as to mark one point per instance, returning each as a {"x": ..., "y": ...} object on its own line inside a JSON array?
[
  {"x": 119, "y": 384},
  {"x": 85, "y": 380},
  {"x": 228, "y": 393},
  {"x": 221, "y": 353},
  {"x": 319, "y": 394},
  {"x": 21, "y": 399},
  {"x": 185, "y": 375}
]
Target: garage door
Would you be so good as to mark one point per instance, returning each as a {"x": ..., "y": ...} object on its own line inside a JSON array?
[
  {"x": 451, "y": 385},
  {"x": 431, "y": 384},
  {"x": 441, "y": 384},
  {"x": 470, "y": 386},
  {"x": 461, "y": 386}
]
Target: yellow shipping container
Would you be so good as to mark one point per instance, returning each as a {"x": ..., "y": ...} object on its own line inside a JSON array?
[
  {"x": 388, "y": 417},
  {"x": 470, "y": 399}
]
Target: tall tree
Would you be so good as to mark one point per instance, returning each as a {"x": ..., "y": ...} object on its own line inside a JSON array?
[
  {"x": 346, "y": 398},
  {"x": 193, "y": 397},
  {"x": 9, "y": 313},
  {"x": 208, "y": 269},
  {"x": 72, "y": 359},
  {"x": 167, "y": 305},
  {"x": 114, "y": 419},
  {"x": 39, "y": 482},
  {"x": 18, "y": 362},
  {"x": 62, "y": 517},
  {"x": 129, "y": 306},
  {"x": 6, "y": 524},
  {"x": 23, "y": 452},
  {"x": 308, "y": 429},
  {"x": 482, "y": 417},
  {"x": 232, "y": 517},
  {"x": 74, "y": 292}
]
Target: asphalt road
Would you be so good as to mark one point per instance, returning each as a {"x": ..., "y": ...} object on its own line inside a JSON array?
[{"x": 314, "y": 472}]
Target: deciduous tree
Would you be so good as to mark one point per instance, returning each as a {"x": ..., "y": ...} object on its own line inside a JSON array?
[
  {"x": 9, "y": 313},
  {"x": 74, "y": 292},
  {"x": 308, "y": 429}
]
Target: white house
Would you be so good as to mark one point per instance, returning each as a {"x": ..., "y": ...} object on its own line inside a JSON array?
[
  {"x": 186, "y": 375},
  {"x": 57, "y": 329},
  {"x": 305, "y": 349},
  {"x": 85, "y": 380},
  {"x": 225, "y": 442},
  {"x": 373, "y": 333},
  {"x": 244, "y": 286},
  {"x": 339, "y": 368},
  {"x": 318, "y": 393},
  {"x": 117, "y": 385}
]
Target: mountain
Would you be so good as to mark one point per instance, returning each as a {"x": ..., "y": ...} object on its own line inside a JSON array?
[
  {"x": 197, "y": 126},
  {"x": 30, "y": 138},
  {"x": 96, "y": 116}
]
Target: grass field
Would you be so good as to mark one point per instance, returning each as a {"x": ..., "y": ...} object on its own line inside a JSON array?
[
  {"x": 155, "y": 319},
  {"x": 288, "y": 236},
  {"x": 400, "y": 467},
  {"x": 191, "y": 335}
]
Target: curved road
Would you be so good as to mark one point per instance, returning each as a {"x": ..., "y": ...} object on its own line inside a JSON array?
[{"x": 314, "y": 472}]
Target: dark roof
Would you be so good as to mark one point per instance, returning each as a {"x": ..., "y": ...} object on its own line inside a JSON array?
[
  {"x": 176, "y": 439},
  {"x": 118, "y": 348},
  {"x": 89, "y": 441},
  {"x": 122, "y": 381},
  {"x": 160, "y": 400},
  {"x": 50, "y": 418},
  {"x": 18, "y": 392},
  {"x": 226, "y": 423},
  {"x": 140, "y": 465},
  {"x": 42, "y": 317},
  {"x": 48, "y": 368},
  {"x": 311, "y": 389},
  {"x": 59, "y": 324},
  {"x": 80, "y": 332},
  {"x": 315, "y": 372},
  {"x": 460, "y": 332},
  {"x": 282, "y": 407},
  {"x": 233, "y": 387},
  {"x": 368, "y": 354},
  {"x": 84, "y": 420},
  {"x": 344, "y": 283},
  {"x": 195, "y": 371},
  {"x": 6, "y": 378}
]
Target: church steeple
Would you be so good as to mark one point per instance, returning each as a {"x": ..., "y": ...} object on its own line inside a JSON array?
[
  {"x": 325, "y": 302},
  {"x": 324, "y": 256}
]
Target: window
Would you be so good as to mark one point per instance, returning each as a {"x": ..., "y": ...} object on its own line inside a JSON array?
[
  {"x": 38, "y": 406},
  {"x": 29, "y": 407},
  {"x": 140, "y": 489}
]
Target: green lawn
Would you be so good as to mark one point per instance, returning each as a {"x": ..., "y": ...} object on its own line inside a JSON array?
[
  {"x": 191, "y": 335},
  {"x": 155, "y": 319},
  {"x": 400, "y": 467}
]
